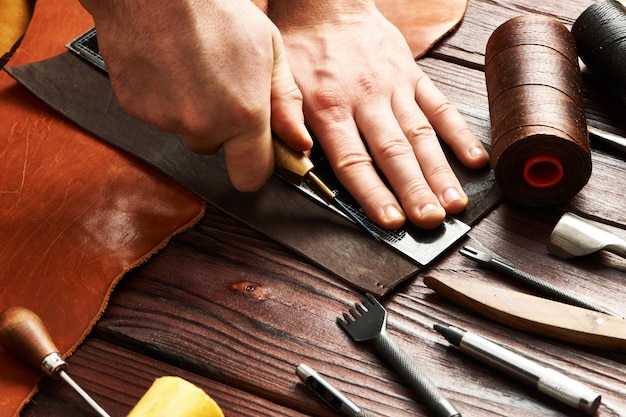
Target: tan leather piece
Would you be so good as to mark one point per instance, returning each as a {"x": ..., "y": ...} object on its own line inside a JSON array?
[
  {"x": 75, "y": 215},
  {"x": 422, "y": 22}
]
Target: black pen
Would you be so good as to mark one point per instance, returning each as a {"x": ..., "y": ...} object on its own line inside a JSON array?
[
  {"x": 329, "y": 394},
  {"x": 548, "y": 381}
]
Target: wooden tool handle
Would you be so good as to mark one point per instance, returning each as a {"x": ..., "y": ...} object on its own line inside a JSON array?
[
  {"x": 534, "y": 314},
  {"x": 23, "y": 335},
  {"x": 292, "y": 165}
]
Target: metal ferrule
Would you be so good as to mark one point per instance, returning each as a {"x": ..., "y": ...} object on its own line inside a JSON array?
[{"x": 52, "y": 364}]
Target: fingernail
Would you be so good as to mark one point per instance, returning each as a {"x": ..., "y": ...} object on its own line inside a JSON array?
[
  {"x": 430, "y": 208},
  {"x": 393, "y": 213},
  {"x": 476, "y": 151},
  {"x": 451, "y": 195}
]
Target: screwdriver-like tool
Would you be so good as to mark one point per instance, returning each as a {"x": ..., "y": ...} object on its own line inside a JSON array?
[
  {"x": 501, "y": 266},
  {"x": 23, "y": 335},
  {"x": 297, "y": 168}
]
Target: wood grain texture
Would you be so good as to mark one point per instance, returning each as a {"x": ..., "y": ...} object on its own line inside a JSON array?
[{"x": 235, "y": 312}]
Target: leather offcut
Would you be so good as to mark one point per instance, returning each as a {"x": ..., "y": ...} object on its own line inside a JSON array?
[{"x": 75, "y": 214}]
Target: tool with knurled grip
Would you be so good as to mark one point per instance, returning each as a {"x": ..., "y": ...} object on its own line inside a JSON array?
[{"x": 367, "y": 322}]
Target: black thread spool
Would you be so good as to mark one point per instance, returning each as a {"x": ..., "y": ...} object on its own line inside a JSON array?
[
  {"x": 541, "y": 154},
  {"x": 600, "y": 34}
]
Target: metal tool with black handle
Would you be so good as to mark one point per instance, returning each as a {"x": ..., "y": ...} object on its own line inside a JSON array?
[{"x": 367, "y": 322}]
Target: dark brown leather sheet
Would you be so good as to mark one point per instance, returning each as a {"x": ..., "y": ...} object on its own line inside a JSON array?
[{"x": 83, "y": 94}]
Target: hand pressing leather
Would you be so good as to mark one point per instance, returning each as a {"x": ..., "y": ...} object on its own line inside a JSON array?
[
  {"x": 367, "y": 102},
  {"x": 213, "y": 71}
]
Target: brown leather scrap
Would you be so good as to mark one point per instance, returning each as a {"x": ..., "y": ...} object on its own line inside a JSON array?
[
  {"x": 75, "y": 215},
  {"x": 422, "y": 22}
]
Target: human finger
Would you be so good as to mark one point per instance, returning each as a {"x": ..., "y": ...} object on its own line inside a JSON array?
[
  {"x": 449, "y": 123},
  {"x": 395, "y": 156},
  {"x": 337, "y": 132},
  {"x": 250, "y": 159},
  {"x": 427, "y": 149},
  {"x": 287, "y": 118}
]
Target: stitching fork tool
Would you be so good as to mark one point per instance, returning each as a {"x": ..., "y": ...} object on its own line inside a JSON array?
[{"x": 367, "y": 322}]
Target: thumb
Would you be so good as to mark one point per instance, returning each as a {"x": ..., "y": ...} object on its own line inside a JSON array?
[{"x": 287, "y": 118}]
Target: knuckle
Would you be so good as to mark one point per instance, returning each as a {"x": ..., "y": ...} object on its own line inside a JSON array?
[
  {"x": 417, "y": 133},
  {"x": 443, "y": 108},
  {"x": 368, "y": 84},
  {"x": 417, "y": 190},
  {"x": 329, "y": 104},
  {"x": 245, "y": 113},
  {"x": 395, "y": 147},
  {"x": 353, "y": 162},
  {"x": 440, "y": 171}
]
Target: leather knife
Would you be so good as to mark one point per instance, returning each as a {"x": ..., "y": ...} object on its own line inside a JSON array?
[{"x": 533, "y": 314}]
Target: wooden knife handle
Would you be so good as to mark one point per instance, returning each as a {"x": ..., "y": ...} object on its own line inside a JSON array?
[{"x": 534, "y": 315}]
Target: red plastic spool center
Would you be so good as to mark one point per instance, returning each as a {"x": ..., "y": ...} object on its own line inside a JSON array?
[{"x": 543, "y": 171}]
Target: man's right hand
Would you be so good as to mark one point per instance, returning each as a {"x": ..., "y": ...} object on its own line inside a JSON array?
[{"x": 213, "y": 72}]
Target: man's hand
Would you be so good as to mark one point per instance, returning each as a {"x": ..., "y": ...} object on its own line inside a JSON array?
[
  {"x": 364, "y": 98},
  {"x": 213, "y": 71}
]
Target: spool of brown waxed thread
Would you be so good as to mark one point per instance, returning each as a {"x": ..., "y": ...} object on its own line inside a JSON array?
[
  {"x": 600, "y": 34},
  {"x": 540, "y": 147}
]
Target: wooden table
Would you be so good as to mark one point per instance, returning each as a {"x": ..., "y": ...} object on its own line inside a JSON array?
[{"x": 234, "y": 312}]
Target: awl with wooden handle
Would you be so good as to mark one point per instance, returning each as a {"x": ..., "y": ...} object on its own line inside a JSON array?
[
  {"x": 297, "y": 168},
  {"x": 23, "y": 335}
]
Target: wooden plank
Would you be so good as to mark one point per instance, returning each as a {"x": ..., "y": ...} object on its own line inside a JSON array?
[
  {"x": 117, "y": 378},
  {"x": 244, "y": 312},
  {"x": 467, "y": 43},
  {"x": 235, "y": 312}
]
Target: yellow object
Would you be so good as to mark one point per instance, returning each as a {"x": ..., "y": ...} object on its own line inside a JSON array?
[
  {"x": 14, "y": 18},
  {"x": 171, "y": 396}
]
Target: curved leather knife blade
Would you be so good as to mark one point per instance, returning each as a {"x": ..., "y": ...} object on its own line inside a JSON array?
[{"x": 534, "y": 314}]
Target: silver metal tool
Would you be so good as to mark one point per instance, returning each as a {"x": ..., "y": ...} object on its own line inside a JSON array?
[
  {"x": 327, "y": 393},
  {"x": 367, "y": 322},
  {"x": 612, "y": 139},
  {"x": 488, "y": 261},
  {"x": 548, "y": 381},
  {"x": 23, "y": 335},
  {"x": 574, "y": 236}
]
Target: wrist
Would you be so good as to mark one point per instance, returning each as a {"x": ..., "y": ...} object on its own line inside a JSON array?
[{"x": 310, "y": 12}]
